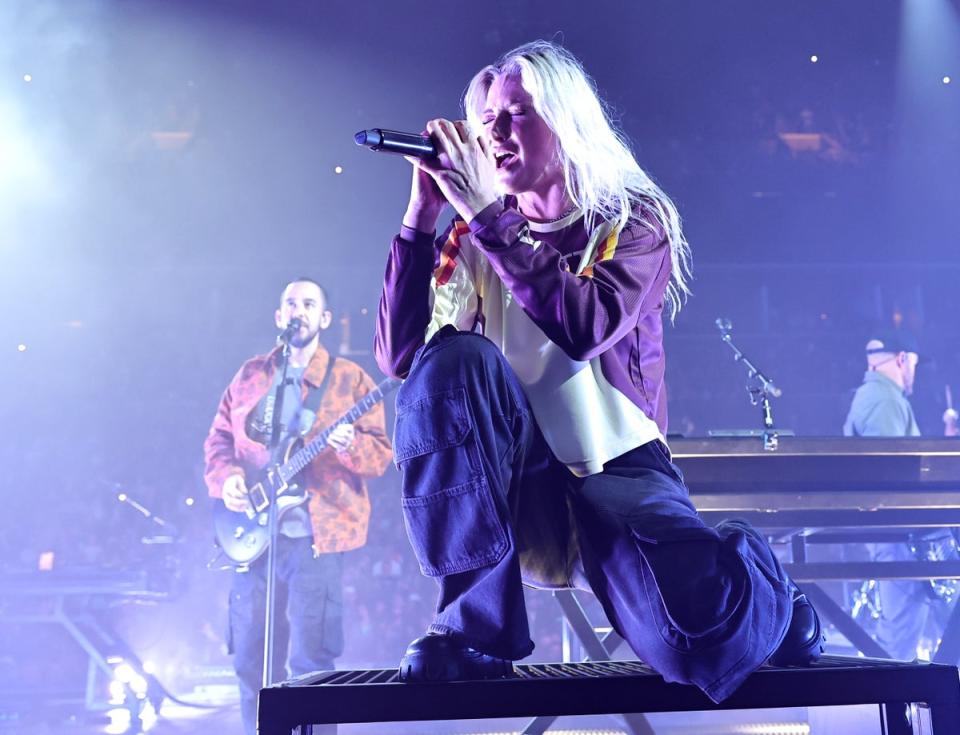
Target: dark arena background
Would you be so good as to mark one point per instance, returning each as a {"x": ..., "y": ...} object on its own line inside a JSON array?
[{"x": 167, "y": 167}]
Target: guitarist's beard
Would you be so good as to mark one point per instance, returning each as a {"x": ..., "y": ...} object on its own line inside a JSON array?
[{"x": 300, "y": 342}]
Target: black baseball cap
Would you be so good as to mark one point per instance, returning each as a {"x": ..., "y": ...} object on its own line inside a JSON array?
[{"x": 893, "y": 341}]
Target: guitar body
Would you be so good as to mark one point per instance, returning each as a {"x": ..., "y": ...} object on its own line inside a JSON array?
[{"x": 244, "y": 536}]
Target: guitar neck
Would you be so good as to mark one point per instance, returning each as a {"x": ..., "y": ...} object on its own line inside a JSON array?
[{"x": 305, "y": 456}]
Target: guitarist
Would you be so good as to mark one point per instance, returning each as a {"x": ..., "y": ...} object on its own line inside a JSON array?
[{"x": 313, "y": 536}]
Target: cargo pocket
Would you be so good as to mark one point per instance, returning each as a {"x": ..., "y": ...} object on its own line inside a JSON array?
[
  {"x": 695, "y": 592},
  {"x": 315, "y": 608},
  {"x": 450, "y": 513},
  {"x": 241, "y": 613}
]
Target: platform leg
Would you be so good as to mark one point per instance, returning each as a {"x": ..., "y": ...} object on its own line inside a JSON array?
[
  {"x": 944, "y": 717},
  {"x": 896, "y": 718}
]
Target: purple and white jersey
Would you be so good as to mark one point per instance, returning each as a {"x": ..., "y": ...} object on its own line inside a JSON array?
[{"x": 577, "y": 314}]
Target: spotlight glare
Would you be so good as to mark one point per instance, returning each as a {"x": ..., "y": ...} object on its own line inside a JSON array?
[
  {"x": 117, "y": 692},
  {"x": 120, "y": 721},
  {"x": 338, "y": 169},
  {"x": 124, "y": 673},
  {"x": 189, "y": 502},
  {"x": 814, "y": 59},
  {"x": 21, "y": 347},
  {"x": 148, "y": 717},
  {"x": 946, "y": 80},
  {"x": 28, "y": 78}
]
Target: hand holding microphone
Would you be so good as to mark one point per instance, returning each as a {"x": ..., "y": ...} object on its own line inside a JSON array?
[
  {"x": 458, "y": 164},
  {"x": 464, "y": 171},
  {"x": 426, "y": 199}
]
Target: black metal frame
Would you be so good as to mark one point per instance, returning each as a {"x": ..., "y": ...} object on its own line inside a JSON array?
[{"x": 609, "y": 687}]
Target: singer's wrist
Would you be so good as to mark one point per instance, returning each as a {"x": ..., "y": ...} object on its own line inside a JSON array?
[
  {"x": 421, "y": 220},
  {"x": 470, "y": 208}
]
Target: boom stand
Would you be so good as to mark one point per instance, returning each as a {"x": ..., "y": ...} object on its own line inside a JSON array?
[{"x": 761, "y": 392}]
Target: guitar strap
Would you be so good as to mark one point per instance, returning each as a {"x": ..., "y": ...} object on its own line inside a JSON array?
[{"x": 315, "y": 395}]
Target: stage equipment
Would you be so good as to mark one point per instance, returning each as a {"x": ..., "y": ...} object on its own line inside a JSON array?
[
  {"x": 392, "y": 141},
  {"x": 759, "y": 387},
  {"x": 608, "y": 687},
  {"x": 287, "y": 334},
  {"x": 273, "y": 511}
]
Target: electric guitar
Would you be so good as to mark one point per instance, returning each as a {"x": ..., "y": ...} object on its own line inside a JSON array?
[{"x": 245, "y": 535}]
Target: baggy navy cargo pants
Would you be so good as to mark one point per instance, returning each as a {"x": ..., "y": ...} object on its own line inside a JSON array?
[{"x": 700, "y": 605}]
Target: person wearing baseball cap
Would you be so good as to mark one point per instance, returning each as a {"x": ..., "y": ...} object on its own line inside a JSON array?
[{"x": 881, "y": 408}]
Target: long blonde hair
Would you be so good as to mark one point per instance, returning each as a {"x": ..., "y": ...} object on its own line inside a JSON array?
[{"x": 602, "y": 176}]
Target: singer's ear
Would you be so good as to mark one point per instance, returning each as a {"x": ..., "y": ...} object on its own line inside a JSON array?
[
  {"x": 326, "y": 318},
  {"x": 278, "y": 319}
]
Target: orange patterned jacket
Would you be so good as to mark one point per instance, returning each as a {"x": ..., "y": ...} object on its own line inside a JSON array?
[{"x": 339, "y": 504}]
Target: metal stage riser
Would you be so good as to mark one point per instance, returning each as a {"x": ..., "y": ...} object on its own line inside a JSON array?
[{"x": 578, "y": 689}]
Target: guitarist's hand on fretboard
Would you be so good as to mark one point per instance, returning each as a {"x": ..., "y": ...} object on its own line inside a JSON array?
[
  {"x": 342, "y": 437},
  {"x": 235, "y": 494}
]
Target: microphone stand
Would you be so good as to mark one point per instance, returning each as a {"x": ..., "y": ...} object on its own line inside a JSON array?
[
  {"x": 272, "y": 523},
  {"x": 759, "y": 394},
  {"x": 172, "y": 533}
]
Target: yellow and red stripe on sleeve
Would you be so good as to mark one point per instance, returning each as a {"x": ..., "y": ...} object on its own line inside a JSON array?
[
  {"x": 605, "y": 252},
  {"x": 449, "y": 252}
]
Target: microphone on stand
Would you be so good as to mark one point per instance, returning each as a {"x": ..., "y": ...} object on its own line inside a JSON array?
[
  {"x": 287, "y": 334},
  {"x": 392, "y": 141},
  {"x": 773, "y": 390},
  {"x": 726, "y": 326}
]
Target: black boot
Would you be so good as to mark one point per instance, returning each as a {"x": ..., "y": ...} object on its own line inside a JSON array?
[
  {"x": 803, "y": 643},
  {"x": 443, "y": 658}
]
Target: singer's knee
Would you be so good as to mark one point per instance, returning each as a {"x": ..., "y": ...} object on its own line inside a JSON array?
[{"x": 452, "y": 352}]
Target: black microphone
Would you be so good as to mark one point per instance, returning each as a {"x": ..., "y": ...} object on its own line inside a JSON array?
[
  {"x": 392, "y": 141},
  {"x": 287, "y": 334}
]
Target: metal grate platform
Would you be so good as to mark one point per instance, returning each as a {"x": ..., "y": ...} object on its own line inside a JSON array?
[{"x": 609, "y": 687}]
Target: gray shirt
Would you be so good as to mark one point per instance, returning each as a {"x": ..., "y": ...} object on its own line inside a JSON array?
[{"x": 880, "y": 408}]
